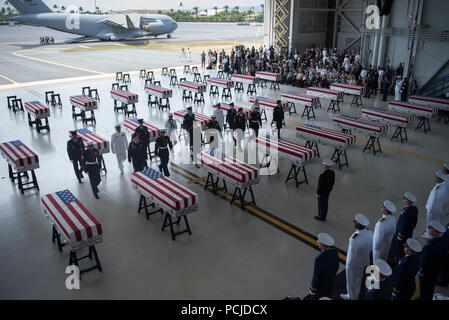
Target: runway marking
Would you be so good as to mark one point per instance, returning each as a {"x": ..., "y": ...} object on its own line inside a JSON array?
[
  {"x": 263, "y": 215},
  {"x": 6, "y": 78},
  {"x": 56, "y": 63},
  {"x": 394, "y": 150}
]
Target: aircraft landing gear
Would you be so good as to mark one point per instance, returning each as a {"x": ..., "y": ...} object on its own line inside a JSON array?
[{"x": 169, "y": 36}]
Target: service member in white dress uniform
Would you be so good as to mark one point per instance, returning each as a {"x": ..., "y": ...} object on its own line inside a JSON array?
[
  {"x": 358, "y": 258},
  {"x": 119, "y": 145},
  {"x": 397, "y": 89},
  {"x": 171, "y": 126},
  {"x": 437, "y": 201},
  {"x": 219, "y": 116},
  {"x": 384, "y": 231}
]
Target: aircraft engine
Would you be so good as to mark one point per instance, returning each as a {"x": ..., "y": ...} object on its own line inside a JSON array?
[{"x": 151, "y": 25}]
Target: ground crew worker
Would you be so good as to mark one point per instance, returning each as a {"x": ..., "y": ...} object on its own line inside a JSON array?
[
  {"x": 91, "y": 160},
  {"x": 431, "y": 259},
  {"x": 405, "y": 272},
  {"x": 325, "y": 184},
  {"x": 119, "y": 144},
  {"x": 358, "y": 257},
  {"x": 239, "y": 127},
  {"x": 255, "y": 121},
  {"x": 163, "y": 146},
  {"x": 170, "y": 127},
  {"x": 325, "y": 268},
  {"x": 443, "y": 279},
  {"x": 437, "y": 200},
  {"x": 187, "y": 124},
  {"x": 218, "y": 113},
  {"x": 75, "y": 149},
  {"x": 406, "y": 224},
  {"x": 137, "y": 154},
  {"x": 385, "y": 284},
  {"x": 384, "y": 231},
  {"x": 230, "y": 116},
  {"x": 144, "y": 135},
  {"x": 278, "y": 117}
]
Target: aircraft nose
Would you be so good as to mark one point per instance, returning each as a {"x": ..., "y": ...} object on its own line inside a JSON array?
[{"x": 174, "y": 25}]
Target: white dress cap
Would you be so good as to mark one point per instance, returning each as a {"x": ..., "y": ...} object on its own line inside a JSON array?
[
  {"x": 328, "y": 162},
  {"x": 414, "y": 245},
  {"x": 389, "y": 206},
  {"x": 441, "y": 175},
  {"x": 446, "y": 166},
  {"x": 383, "y": 267},
  {"x": 326, "y": 239},
  {"x": 437, "y": 226},
  {"x": 410, "y": 196},
  {"x": 362, "y": 220}
]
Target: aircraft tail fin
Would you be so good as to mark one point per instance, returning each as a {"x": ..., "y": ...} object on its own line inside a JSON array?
[
  {"x": 129, "y": 23},
  {"x": 30, "y": 6}
]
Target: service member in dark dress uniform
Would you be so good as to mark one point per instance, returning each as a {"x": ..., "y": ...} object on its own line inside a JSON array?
[
  {"x": 91, "y": 160},
  {"x": 431, "y": 259},
  {"x": 325, "y": 184},
  {"x": 75, "y": 149},
  {"x": 144, "y": 135},
  {"x": 443, "y": 279},
  {"x": 406, "y": 224},
  {"x": 210, "y": 133},
  {"x": 255, "y": 120},
  {"x": 325, "y": 268},
  {"x": 163, "y": 148},
  {"x": 187, "y": 124},
  {"x": 278, "y": 117},
  {"x": 405, "y": 272},
  {"x": 230, "y": 116},
  {"x": 137, "y": 154},
  {"x": 239, "y": 127},
  {"x": 385, "y": 289}
]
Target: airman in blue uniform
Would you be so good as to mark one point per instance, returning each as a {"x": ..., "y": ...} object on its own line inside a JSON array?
[
  {"x": 406, "y": 224},
  {"x": 443, "y": 280},
  {"x": 325, "y": 268},
  {"x": 432, "y": 257},
  {"x": 75, "y": 148},
  {"x": 385, "y": 282},
  {"x": 405, "y": 272}
]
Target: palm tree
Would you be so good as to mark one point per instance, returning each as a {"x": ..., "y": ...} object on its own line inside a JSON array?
[
  {"x": 262, "y": 5},
  {"x": 237, "y": 8},
  {"x": 55, "y": 6},
  {"x": 171, "y": 10},
  {"x": 216, "y": 10},
  {"x": 80, "y": 9},
  {"x": 62, "y": 8},
  {"x": 226, "y": 9},
  {"x": 196, "y": 12},
  {"x": 180, "y": 5}
]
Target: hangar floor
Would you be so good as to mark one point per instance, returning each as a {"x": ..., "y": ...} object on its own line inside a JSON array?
[{"x": 263, "y": 252}]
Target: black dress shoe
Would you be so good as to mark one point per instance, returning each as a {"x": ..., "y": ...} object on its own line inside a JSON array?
[
  {"x": 318, "y": 218},
  {"x": 96, "y": 196},
  {"x": 79, "y": 180}
]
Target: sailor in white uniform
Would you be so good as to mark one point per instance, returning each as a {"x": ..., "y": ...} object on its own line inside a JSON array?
[
  {"x": 359, "y": 249},
  {"x": 119, "y": 145},
  {"x": 218, "y": 113},
  {"x": 397, "y": 89},
  {"x": 437, "y": 201},
  {"x": 384, "y": 231},
  {"x": 171, "y": 126}
]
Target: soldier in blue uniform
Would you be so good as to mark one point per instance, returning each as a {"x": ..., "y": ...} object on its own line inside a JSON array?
[
  {"x": 405, "y": 272},
  {"x": 75, "y": 148},
  {"x": 144, "y": 136},
  {"x": 432, "y": 257},
  {"x": 91, "y": 160},
  {"x": 325, "y": 268},
  {"x": 385, "y": 283},
  {"x": 443, "y": 280},
  {"x": 406, "y": 224},
  {"x": 230, "y": 116},
  {"x": 137, "y": 154}
]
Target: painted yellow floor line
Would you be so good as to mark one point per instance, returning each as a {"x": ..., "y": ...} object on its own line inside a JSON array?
[
  {"x": 6, "y": 78},
  {"x": 258, "y": 212},
  {"x": 394, "y": 150},
  {"x": 56, "y": 63}
]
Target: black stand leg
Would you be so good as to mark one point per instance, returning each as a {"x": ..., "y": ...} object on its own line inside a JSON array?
[
  {"x": 371, "y": 145},
  {"x": 423, "y": 123},
  {"x": 241, "y": 197},
  {"x": 308, "y": 112},
  {"x": 144, "y": 206},
  {"x": 400, "y": 133},
  {"x": 334, "y": 106},
  {"x": 168, "y": 222},
  {"x": 336, "y": 157},
  {"x": 293, "y": 174}
]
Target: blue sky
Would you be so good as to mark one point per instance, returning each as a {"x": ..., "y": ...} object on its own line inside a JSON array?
[{"x": 154, "y": 4}]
